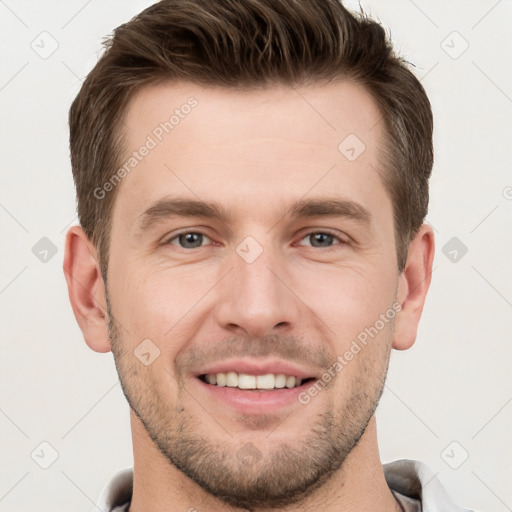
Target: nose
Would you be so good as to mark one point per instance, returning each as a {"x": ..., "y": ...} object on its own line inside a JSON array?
[{"x": 256, "y": 298}]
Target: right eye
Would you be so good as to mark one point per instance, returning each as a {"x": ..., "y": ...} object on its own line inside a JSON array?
[{"x": 188, "y": 239}]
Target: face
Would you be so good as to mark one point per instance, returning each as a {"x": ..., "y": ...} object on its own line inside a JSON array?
[{"x": 252, "y": 248}]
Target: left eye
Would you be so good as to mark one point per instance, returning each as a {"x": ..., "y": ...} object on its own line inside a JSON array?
[
  {"x": 189, "y": 240},
  {"x": 321, "y": 239}
]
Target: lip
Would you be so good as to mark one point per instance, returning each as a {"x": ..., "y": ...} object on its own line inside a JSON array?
[
  {"x": 255, "y": 367},
  {"x": 252, "y": 401}
]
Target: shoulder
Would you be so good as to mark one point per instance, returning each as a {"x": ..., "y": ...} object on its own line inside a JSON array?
[
  {"x": 117, "y": 493},
  {"x": 416, "y": 480}
]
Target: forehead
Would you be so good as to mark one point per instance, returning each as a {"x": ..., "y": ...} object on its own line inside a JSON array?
[
  {"x": 216, "y": 112},
  {"x": 261, "y": 147}
]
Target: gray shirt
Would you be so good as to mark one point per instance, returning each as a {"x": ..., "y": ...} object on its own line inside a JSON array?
[{"x": 414, "y": 485}]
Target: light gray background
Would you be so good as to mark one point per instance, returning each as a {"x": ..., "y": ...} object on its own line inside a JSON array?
[{"x": 448, "y": 398}]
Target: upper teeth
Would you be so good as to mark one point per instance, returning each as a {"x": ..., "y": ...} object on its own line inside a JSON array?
[{"x": 245, "y": 381}]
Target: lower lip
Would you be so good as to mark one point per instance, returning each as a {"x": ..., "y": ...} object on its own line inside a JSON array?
[{"x": 254, "y": 401}]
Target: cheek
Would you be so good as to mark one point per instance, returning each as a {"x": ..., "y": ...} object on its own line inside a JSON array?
[
  {"x": 158, "y": 304},
  {"x": 362, "y": 359},
  {"x": 347, "y": 300}
]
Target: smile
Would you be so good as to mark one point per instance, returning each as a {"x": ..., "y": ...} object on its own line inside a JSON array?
[{"x": 245, "y": 381}]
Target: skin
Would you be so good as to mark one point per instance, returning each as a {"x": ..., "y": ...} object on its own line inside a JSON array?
[{"x": 255, "y": 153}]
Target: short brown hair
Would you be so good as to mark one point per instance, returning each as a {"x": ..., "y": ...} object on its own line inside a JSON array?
[{"x": 244, "y": 44}]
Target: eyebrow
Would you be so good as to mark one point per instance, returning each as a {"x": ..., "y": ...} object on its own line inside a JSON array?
[
  {"x": 168, "y": 208},
  {"x": 331, "y": 208},
  {"x": 177, "y": 207}
]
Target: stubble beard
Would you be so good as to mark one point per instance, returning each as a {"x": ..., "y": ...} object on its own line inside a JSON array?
[{"x": 242, "y": 474}]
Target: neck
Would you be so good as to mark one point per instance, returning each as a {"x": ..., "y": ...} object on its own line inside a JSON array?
[{"x": 358, "y": 485}]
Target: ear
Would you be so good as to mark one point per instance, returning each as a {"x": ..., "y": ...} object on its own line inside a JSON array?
[
  {"x": 86, "y": 289},
  {"x": 413, "y": 285}
]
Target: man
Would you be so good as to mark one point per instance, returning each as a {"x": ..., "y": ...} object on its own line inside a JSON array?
[{"x": 252, "y": 181}]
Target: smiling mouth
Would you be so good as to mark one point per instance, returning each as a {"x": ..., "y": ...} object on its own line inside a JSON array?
[{"x": 247, "y": 382}]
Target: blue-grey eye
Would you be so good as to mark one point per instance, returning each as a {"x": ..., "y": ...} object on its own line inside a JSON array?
[
  {"x": 189, "y": 240},
  {"x": 320, "y": 239}
]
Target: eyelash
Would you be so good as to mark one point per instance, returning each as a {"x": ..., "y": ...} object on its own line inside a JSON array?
[{"x": 323, "y": 232}]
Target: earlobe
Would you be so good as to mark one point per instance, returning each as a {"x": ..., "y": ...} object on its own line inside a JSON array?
[
  {"x": 86, "y": 289},
  {"x": 413, "y": 286}
]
